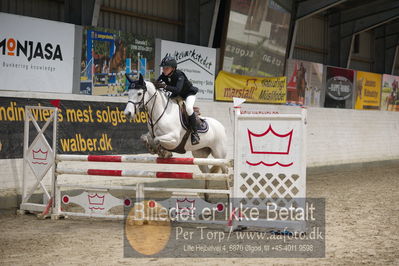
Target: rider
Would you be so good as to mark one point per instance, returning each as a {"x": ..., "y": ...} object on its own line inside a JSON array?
[{"x": 175, "y": 81}]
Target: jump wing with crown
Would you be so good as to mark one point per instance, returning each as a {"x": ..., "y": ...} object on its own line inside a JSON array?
[{"x": 270, "y": 142}]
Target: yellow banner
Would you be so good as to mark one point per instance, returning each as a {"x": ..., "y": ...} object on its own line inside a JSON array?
[
  {"x": 254, "y": 89},
  {"x": 368, "y": 91}
]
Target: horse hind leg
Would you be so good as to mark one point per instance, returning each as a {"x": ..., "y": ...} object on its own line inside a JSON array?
[
  {"x": 203, "y": 153},
  {"x": 219, "y": 153}
]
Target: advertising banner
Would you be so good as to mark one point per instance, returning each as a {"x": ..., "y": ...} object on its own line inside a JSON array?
[
  {"x": 368, "y": 91},
  {"x": 389, "y": 96},
  {"x": 33, "y": 61},
  {"x": 339, "y": 87},
  {"x": 107, "y": 55},
  {"x": 197, "y": 62},
  {"x": 256, "y": 38},
  {"x": 304, "y": 83},
  {"x": 83, "y": 127},
  {"x": 143, "y": 66},
  {"x": 253, "y": 89}
]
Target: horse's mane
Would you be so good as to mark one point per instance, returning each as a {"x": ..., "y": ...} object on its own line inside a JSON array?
[
  {"x": 151, "y": 87},
  {"x": 149, "y": 83}
]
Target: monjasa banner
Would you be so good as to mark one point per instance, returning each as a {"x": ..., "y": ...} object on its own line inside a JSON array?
[
  {"x": 84, "y": 127},
  {"x": 33, "y": 61}
]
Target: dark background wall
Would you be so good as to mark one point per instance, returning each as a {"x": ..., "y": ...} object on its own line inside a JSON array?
[{"x": 359, "y": 34}]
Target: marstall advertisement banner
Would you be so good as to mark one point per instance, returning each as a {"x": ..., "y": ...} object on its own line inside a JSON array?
[
  {"x": 368, "y": 90},
  {"x": 389, "y": 96},
  {"x": 36, "y": 54},
  {"x": 107, "y": 55},
  {"x": 197, "y": 62},
  {"x": 339, "y": 87},
  {"x": 253, "y": 89},
  {"x": 304, "y": 82},
  {"x": 84, "y": 127}
]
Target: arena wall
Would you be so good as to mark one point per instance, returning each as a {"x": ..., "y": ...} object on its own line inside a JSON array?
[{"x": 334, "y": 136}]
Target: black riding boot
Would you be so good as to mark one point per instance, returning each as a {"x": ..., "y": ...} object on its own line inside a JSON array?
[{"x": 193, "y": 125}]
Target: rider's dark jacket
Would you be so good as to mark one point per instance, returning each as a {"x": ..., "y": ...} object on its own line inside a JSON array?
[{"x": 178, "y": 84}]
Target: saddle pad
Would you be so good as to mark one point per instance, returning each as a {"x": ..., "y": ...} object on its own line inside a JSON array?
[{"x": 202, "y": 124}]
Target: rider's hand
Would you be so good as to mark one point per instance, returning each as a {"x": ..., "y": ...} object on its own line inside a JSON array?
[{"x": 160, "y": 85}]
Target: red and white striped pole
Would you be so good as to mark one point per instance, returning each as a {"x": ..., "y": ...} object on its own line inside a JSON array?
[
  {"x": 144, "y": 159},
  {"x": 138, "y": 173}
]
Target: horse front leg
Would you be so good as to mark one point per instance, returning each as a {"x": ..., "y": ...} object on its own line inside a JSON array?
[
  {"x": 154, "y": 145},
  {"x": 149, "y": 143},
  {"x": 166, "y": 142}
]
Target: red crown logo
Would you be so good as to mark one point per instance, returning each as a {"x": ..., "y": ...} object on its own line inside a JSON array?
[
  {"x": 273, "y": 143},
  {"x": 40, "y": 155},
  {"x": 185, "y": 206},
  {"x": 96, "y": 199}
]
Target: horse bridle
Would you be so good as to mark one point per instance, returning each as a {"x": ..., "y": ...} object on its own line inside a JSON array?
[
  {"x": 141, "y": 102},
  {"x": 144, "y": 105}
]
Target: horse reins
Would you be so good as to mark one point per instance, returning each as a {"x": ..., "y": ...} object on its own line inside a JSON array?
[{"x": 141, "y": 102}]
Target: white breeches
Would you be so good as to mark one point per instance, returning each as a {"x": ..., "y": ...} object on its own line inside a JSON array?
[{"x": 190, "y": 100}]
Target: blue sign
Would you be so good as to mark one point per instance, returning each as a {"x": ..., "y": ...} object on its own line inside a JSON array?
[{"x": 143, "y": 66}]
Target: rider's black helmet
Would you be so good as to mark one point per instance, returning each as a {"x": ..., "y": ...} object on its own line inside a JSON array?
[{"x": 168, "y": 61}]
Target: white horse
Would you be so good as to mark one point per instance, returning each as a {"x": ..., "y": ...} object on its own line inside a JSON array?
[{"x": 166, "y": 133}]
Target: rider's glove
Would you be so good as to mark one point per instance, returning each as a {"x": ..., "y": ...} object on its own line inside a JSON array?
[{"x": 160, "y": 85}]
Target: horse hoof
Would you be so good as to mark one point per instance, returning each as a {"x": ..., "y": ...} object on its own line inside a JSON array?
[
  {"x": 164, "y": 153},
  {"x": 144, "y": 138},
  {"x": 149, "y": 148},
  {"x": 168, "y": 154}
]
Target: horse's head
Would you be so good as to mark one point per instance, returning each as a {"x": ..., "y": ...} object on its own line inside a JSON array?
[
  {"x": 395, "y": 85},
  {"x": 137, "y": 90},
  {"x": 120, "y": 49}
]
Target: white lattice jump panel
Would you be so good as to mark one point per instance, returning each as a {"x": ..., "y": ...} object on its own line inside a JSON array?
[{"x": 269, "y": 161}]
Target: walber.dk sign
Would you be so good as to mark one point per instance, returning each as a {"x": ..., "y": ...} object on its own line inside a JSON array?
[
  {"x": 197, "y": 62},
  {"x": 36, "y": 54}
]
